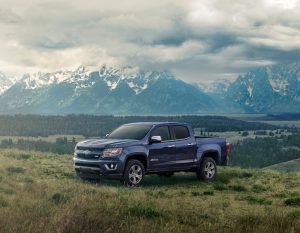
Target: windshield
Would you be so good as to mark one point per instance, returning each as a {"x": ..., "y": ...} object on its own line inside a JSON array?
[{"x": 136, "y": 132}]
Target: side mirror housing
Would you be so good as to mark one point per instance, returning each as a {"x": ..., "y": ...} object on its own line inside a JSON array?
[{"x": 155, "y": 139}]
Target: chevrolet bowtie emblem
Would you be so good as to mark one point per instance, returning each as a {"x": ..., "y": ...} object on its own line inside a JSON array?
[{"x": 85, "y": 152}]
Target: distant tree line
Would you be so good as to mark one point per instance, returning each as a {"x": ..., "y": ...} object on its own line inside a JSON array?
[
  {"x": 262, "y": 152},
  {"x": 282, "y": 117},
  {"x": 60, "y": 146},
  {"x": 90, "y": 125}
]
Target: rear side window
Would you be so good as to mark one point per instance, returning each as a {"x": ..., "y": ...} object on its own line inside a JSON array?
[
  {"x": 162, "y": 131},
  {"x": 181, "y": 132}
]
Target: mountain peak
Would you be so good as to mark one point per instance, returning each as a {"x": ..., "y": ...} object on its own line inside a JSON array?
[
  {"x": 5, "y": 83},
  {"x": 80, "y": 69},
  {"x": 136, "y": 79}
]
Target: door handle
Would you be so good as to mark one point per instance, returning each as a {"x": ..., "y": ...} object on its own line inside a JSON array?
[
  {"x": 190, "y": 144},
  {"x": 171, "y": 146}
]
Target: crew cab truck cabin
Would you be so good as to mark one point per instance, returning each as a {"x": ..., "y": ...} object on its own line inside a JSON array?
[{"x": 136, "y": 149}]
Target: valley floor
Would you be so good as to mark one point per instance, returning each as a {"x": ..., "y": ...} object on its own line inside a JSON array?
[{"x": 40, "y": 193}]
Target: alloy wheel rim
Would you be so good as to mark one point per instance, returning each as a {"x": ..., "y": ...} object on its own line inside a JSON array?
[
  {"x": 209, "y": 170},
  {"x": 135, "y": 174}
]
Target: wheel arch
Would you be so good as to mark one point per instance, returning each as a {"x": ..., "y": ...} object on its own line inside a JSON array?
[
  {"x": 137, "y": 156},
  {"x": 214, "y": 154}
]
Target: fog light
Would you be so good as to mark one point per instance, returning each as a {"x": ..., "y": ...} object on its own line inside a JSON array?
[{"x": 111, "y": 166}]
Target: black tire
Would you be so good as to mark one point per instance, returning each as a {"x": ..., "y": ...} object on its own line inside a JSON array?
[
  {"x": 166, "y": 174},
  {"x": 134, "y": 173},
  {"x": 207, "y": 170}
]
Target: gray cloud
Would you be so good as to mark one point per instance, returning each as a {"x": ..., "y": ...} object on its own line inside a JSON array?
[
  {"x": 197, "y": 40},
  {"x": 7, "y": 16}
]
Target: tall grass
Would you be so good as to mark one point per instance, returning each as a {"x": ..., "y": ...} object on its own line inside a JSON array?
[{"x": 45, "y": 196}]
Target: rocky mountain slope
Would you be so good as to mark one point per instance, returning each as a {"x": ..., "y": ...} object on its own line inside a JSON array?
[{"x": 268, "y": 89}]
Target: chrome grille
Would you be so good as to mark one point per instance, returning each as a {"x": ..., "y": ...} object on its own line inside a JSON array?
[{"x": 89, "y": 153}]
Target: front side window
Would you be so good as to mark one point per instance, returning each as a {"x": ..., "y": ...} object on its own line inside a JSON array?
[
  {"x": 181, "y": 132},
  {"x": 135, "y": 132},
  {"x": 162, "y": 131}
]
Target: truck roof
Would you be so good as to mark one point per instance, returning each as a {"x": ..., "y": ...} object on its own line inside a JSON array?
[{"x": 157, "y": 123}]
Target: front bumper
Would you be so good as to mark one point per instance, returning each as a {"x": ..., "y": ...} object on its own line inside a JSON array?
[{"x": 109, "y": 168}]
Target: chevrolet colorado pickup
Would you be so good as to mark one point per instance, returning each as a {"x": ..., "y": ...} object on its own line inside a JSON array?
[{"x": 136, "y": 149}]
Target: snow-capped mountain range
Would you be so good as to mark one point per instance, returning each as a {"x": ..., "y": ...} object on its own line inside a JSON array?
[
  {"x": 129, "y": 90},
  {"x": 109, "y": 90},
  {"x": 135, "y": 79}
]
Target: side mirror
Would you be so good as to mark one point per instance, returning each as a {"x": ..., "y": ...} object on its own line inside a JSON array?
[
  {"x": 106, "y": 135},
  {"x": 155, "y": 139}
]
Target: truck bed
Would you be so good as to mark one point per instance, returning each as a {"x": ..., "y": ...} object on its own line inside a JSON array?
[{"x": 209, "y": 140}]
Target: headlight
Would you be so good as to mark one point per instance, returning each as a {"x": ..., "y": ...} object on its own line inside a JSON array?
[
  {"x": 75, "y": 151},
  {"x": 112, "y": 151}
]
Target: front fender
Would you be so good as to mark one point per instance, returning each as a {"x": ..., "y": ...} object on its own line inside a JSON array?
[{"x": 134, "y": 151}]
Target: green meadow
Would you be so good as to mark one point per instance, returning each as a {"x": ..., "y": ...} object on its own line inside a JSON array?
[{"x": 39, "y": 192}]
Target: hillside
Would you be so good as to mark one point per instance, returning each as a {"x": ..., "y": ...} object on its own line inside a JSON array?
[
  {"x": 39, "y": 193},
  {"x": 289, "y": 166},
  {"x": 265, "y": 151}
]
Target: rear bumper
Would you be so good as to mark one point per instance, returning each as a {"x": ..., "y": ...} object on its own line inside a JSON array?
[{"x": 94, "y": 169}]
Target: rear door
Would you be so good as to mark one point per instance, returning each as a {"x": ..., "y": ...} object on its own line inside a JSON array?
[
  {"x": 161, "y": 153},
  {"x": 185, "y": 146}
]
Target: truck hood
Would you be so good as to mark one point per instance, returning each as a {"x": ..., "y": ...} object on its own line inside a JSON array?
[{"x": 106, "y": 142}]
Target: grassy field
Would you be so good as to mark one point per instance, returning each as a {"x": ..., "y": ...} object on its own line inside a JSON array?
[{"x": 40, "y": 193}]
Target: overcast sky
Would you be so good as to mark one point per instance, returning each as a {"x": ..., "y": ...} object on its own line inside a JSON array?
[{"x": 196, "y": 40}]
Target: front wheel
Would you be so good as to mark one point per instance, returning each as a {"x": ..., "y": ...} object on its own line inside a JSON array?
[
  {"x": 134, "y": 173},
  {"x": 207, "y": 169}
]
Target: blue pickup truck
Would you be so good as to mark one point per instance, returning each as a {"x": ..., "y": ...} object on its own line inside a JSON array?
[{"x": 136, "y": 149}]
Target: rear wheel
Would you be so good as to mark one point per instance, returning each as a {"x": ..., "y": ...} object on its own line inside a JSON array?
[
  {"x": 134, "y": 173},
  {"x": 207, "y": 169}
]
